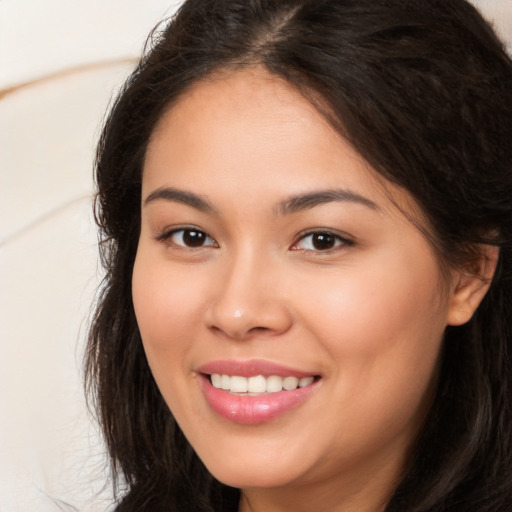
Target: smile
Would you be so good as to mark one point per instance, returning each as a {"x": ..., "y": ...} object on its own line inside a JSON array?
[
  {"x": 255, "y": 392},
  {"x": 258, "y": 385}
]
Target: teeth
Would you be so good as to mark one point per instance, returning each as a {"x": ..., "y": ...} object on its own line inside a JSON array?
[
  {"x": 239, "y": 384},
  {"x": 274, "y": 384},
  {"x": 258, "y": 384},
  {"x": 225, "y": 382},
  {"x": 290, "y": 383},
  {"x": 305, "y": 381},
  {"x": 216, "y": 380}
]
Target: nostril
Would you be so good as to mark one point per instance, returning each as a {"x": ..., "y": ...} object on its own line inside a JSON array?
[{"x": 258, "y": 329}]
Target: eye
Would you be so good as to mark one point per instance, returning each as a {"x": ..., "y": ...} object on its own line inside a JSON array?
[
  {"x": 188, "y": 237},
  {"x": 321, "y": 241}
]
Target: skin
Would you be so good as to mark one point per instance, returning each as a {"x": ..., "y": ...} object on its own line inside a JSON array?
[{"x": 367, "y": 315}]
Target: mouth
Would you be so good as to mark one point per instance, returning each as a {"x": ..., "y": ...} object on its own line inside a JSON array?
[{"x": 254, "y": 392}]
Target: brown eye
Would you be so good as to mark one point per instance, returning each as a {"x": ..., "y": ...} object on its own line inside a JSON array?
[
  {"x": 192, "y": 238},
  {"x": 321, "y": 241}
]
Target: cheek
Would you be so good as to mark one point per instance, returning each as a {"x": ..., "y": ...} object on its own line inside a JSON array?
[
  {"x": 392, "y": 297},
  {"x": 383, "y": 333},
  {"x": 166, "y": 305},
  {"x": 167, "y": 308},
  {"x": 383, "y": 326}
]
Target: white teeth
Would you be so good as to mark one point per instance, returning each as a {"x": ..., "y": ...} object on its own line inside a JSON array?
[
  {"x": 274, "y": 384},
  {"x": 305, "y": 381},
  {"x": 239, "y": 384},
  {"x": 290, "y": 383},
  {"x": 225, "y": 382},
  {"x": 258, "y": 384},
  {"x": 217, "y": 380}
]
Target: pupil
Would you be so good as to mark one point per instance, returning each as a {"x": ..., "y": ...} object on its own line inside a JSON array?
[
  {"x": 193, "y": 238},
  {"x": 323, "y": 241}
]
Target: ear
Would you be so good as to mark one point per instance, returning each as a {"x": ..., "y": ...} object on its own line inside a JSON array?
[{"x": 471, "y": 284}]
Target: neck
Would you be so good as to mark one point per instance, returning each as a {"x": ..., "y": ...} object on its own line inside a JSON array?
[{"x": 267, "y": 502}]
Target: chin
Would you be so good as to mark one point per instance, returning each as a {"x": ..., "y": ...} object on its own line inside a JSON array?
[{"x": 245, "y": 476}]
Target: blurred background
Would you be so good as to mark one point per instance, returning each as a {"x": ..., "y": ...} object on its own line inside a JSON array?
[{"x": 61, "y": 61}]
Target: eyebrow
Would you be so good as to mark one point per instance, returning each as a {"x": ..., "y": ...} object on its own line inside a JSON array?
[
  {"x": 306, "y": 201},
  {"x": 289, "y": 206},
  {"x": 180, "y": 196}
]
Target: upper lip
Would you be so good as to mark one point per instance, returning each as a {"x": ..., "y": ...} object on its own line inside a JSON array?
[{"x": 251, "y": 368}]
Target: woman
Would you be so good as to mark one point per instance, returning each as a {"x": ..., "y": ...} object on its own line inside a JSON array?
[{"x": 306, "y": 217}]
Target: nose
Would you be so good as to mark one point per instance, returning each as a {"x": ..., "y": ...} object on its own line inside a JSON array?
[{"x": 248, "y": 300}]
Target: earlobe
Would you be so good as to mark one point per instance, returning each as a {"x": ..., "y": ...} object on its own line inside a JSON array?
[{"x": 471, "y": 285}]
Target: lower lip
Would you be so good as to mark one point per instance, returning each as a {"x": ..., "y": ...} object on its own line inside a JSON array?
[{"x": 250, "y": 410}]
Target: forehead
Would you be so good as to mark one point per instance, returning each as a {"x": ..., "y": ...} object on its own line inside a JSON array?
[
  {"x": 248, "y": 129},
  {"x": 250, "y": 107}
]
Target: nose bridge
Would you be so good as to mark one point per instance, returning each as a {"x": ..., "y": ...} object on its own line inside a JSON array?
[{"x": 247, "y": 298}]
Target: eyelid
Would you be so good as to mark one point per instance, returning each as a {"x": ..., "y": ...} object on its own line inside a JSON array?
[
  {"x": 343, "y": 240},
  {"x": 166, "y": 235}
]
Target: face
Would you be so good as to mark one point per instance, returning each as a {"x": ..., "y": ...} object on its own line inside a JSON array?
[{"x": 291, "y": 315}]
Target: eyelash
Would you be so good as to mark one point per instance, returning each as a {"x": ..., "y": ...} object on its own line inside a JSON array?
[
  {"x": 330, "y": 236},
  {"x": 167, "y": 237},
  {"x": 339, "y": 241}
]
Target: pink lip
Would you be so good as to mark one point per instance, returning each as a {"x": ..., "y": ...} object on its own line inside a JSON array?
[
  {"x": 250, "y": 368},
  {"x": 249, "y": 410}
]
